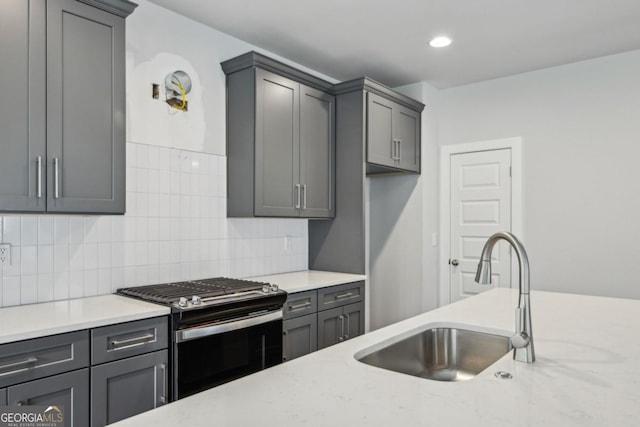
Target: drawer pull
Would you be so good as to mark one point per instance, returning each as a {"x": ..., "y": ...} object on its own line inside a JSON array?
[
  {"x": 343, "y": 296},
  {"x": 131, "y": 342},
  {"x": 299, "y": 306},
  {"x": 18, "y": 364}
]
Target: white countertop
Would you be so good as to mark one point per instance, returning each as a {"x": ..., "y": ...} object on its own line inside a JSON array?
[
  {"x": 587, "y": 373},
  {"x": 49, "y": 318},
  {"x": 307, "y": 280}
]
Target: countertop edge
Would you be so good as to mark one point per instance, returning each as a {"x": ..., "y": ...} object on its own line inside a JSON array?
[
  {"x": 105, "y": 310},
  {"x": 307, "y": 280}
]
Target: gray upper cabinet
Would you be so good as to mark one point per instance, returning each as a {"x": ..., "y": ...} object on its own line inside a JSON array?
[
  {"x": 3, "y": 396},
  {"x": 22, "y": 105},
  {"x": 64, "y": 148},
  {"x": 280, "y": 140},
  {"x": 393, "y": 134},
  {"x": 392, "y": 124},
  {"x": 277, "y": 145},
  {"x": 317, "y": 142}
]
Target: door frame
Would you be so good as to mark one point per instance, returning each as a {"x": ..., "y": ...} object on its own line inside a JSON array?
[{"x": 446, "y": 151}]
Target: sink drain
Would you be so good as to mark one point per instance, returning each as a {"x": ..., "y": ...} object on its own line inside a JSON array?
[{"x": 503, "y": 375}]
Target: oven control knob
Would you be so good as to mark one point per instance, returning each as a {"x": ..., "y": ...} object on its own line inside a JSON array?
[
  {"x": 266, "y": 289},
  {"x": 196, "y": 300},
  {"x": 274, "y": 288},
  {"x": 183, "y": 302}
]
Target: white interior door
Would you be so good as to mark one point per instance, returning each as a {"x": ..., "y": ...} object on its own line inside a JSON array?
[{"x": 480, "y": 185}]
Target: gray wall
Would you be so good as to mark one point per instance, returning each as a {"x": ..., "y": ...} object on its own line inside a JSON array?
[{"x": 580, "y": 126}]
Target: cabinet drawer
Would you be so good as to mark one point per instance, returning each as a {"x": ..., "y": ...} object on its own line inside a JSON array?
[
  {"x": 115, "y": 342},
  {"x": 41, "y": 357},
  {"x": 300, "y": 304},
  {"x": 337, "y": 296}
]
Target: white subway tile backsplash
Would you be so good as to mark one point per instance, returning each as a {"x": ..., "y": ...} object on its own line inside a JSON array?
[
  {"x": 45, "y": 287},
  {"x": 61, "y": 230},
  {"x": 29, "y": 289},
  {"x": 11, "y": 230},
  {"x": 90, "y": 282},
  {"x": 76, "y": 284},
  {"x": 29, "y": 230},
  {"x": 61, "y": 285},
  {"x": 11, "y": 290},
  {"x": 175, "y": 229},
  {"x": 29, "y": 260},
  {"x": 45, "y": 259},
  {"x": 45, "y": 230}
]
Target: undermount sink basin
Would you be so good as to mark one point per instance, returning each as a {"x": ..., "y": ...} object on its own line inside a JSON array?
[{"x": 441, "y": 354}]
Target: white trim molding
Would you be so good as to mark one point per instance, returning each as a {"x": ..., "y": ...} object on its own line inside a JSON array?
[{"x": 517, "y": 207}]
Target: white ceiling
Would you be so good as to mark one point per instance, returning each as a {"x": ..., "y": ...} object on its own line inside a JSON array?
[{"x": 388, "y": 40}]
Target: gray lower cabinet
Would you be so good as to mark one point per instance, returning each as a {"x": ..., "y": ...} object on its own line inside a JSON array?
[
  {"x": 68, "y": 391},
  {"x": 280, "y": 141},
  {"x": 393, "y": 134},
  {"x": 129, "y": 372},
  {"x": 63, "y": 115},
  {"x": 96, "y": 376},
  {"x": 128, "y": 387},
  {"x": 319, "y": 318},
  {"x": 299, "y": 337},
  {"x": 340, "y": 324}
]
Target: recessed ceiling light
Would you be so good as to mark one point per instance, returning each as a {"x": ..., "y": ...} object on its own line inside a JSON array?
[{"x": 440, "y": 41}]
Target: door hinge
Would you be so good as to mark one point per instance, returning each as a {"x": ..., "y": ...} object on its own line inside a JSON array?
[{"x": 509, "y": 170}]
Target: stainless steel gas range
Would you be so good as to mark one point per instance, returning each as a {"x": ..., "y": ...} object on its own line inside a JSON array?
[{"x": 221, "y": 329}]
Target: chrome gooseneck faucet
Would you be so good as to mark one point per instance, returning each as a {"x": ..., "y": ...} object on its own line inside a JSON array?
[{"x": 522, "y": 341}]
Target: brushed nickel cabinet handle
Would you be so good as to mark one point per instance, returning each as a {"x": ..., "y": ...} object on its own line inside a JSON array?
[
  {"x": 130, "y": 342},
  {"x": 347, "y": 295},
  {"x": 56, "y": 178},
  {"x": 163, "y": 371},
  {"x": 21, "y": 365},
  {"x": 298, "y": 196},
  {"x": 304, "y": 196},
  {"x": 346, "y": 336},
  {"x": 39, "y": 177},
  {"x": 299, "y": 306}
]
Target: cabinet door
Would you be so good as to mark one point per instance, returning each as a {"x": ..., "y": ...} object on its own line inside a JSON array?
[
  {"x": 277, "y": 184},
  {"x": 22, "y": 105},
  {"x": 69, "y": 391},
  {"x": 300, "y": 337},
  {"x": 85, "y": 109},
  {"x": 3, "y": 396},
  {"x": 381, "y": 145},
  {"x": 354, "y": 320},
  {"x": 330, "y": 327},
  {"x": 407, "y": 132},
  {"x": 317, "y": 153},
  {"x": 128, "y": 387}
]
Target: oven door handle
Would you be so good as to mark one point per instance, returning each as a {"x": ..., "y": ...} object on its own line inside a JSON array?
[{"x": 233, "y": 325}]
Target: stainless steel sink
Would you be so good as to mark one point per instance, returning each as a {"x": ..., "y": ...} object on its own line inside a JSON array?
[{"x": 441, "y": 354}]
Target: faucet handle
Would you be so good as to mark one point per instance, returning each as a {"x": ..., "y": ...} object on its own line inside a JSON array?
[
  {"x": 521, "y": 338},
  {"x": 519, "y": 320}
]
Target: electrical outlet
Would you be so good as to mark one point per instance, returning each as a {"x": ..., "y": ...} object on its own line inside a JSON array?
[{"x": 5, "y": 254}]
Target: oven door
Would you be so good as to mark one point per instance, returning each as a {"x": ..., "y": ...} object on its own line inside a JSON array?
[{"x": 207, "y": 356}]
